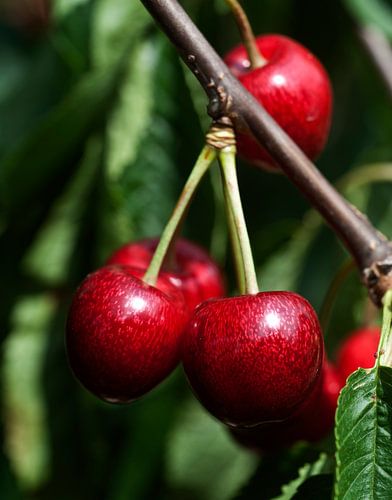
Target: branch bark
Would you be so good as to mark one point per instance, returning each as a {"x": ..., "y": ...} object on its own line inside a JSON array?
[{"x": 227, "y": 97}]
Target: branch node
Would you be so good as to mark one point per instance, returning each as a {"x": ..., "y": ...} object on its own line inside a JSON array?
[{"x": 221, "y": 134}]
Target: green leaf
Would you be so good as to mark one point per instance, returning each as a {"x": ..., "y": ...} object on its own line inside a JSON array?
[
  {"x": 201, "y": 453},
  {"x": 28, "y": 171},
  {"x": 282, "y": 270},
  {"x": 62, "y": 8},
  {"x": 142, "y": 178},
  {"x": 26, "y": 431},
  {"x": 13, "y": 65},
  {"x": 117, "y": 24},
  {"x": 282, "y": 467},
  {"x": 364, "y": 436},
  {"x": 304, "y": 473},
  {"x": 50, "y": 257},
  {"x": 132, "y": 113},
  {"x": 363, "y": 428},
  {"x": 376, "y": 12}
]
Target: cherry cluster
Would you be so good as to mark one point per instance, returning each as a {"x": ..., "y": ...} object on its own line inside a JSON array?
[{"x": 255, "y": 361}]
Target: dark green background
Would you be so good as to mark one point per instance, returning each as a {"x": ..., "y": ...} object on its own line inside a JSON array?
[{"x": 99, "y": 127}]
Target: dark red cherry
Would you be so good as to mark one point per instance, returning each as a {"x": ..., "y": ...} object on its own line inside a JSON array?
[
  {"x": 358, "y": 351},
  {"x": 253, "y": 358},
  {"x": 295, "y": 90},
  {"x": 312, "y": 421},
  {"x": 192, "y": 269},
  {"x": 315, "y": 418},
  {"x": 123, "y": 336}
]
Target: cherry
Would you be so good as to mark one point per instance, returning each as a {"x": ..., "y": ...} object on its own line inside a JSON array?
[
  {"x": 358, "y": 351},
  {"x": 312, "y": 421},
  {"x": 315, "y": 419},
  {"x": 123, "y": 336},
  {"x": 193, "y": 270},
  {"x": 253, "y": 358},
  {"x": 295, "y": 90}
]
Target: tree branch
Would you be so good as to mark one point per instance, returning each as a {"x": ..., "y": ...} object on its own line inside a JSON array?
[{"x": 227, "y": 97}]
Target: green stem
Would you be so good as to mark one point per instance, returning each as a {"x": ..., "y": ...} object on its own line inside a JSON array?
[
  {"x": 247, "y": 35},
  {"x": 334, "y": 287},
  {"x": 244, "y": 259},
  {"x": 203, "y": 162},
  {"x": 219, "y": 236},
  {"x": 235, "y": 243},
  {"x": 384, "y": 354},
  {"x": 366, "y": 174}
]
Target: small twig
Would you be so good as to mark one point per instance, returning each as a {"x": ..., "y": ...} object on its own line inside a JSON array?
[
  {"x": 243, "y": 251},
  {"x": 380, "y": 51},
  {"x": 202, "y": 164},
  {"x": 255, "y": 57}
]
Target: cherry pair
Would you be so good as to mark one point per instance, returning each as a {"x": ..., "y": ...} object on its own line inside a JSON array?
[
  {"x": 124, "y": 336},
  {"x": 192, "y": 269}
]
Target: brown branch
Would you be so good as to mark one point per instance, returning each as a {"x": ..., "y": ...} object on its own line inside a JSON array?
[{"x": 370, "y": 249}]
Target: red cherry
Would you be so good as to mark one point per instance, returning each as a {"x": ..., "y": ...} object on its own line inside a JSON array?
[
  {"x": 123, "y": 336},
  {"x": 295, "y": 90},
  {"x": 313, "y": 421},
  {"x": 193, "y": 270},
  {"x": 358, "y": 351},
  {"x": 253, "y": 358}
]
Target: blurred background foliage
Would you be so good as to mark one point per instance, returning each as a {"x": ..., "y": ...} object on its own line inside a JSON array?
[{"x": 99, "y": 125}]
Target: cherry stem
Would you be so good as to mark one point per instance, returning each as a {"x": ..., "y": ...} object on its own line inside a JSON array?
[
  {"x": 332, "y": 292},
  {"x": 235, "y": 244},
  {"x": 219, "y": 236},
  {"x": 206, "y": 157},
  {"x": 364, "y": 175},
  {"x": 247, "y": 35},
  {"x": 242, "y": 252},
  {"x": 384, "y": 354}
]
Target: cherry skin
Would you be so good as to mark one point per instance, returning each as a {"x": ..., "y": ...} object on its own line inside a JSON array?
[
  {"x": 315, "y": 418},
  {"x": 122, "y": 335},
  {"x": 312, "y": 421},
  {"x": 295, "y": 90},
  {"x": 253, "y": 358},
  {"x": 358, "y": 351},
  {"x": 193, "y": 270}
]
